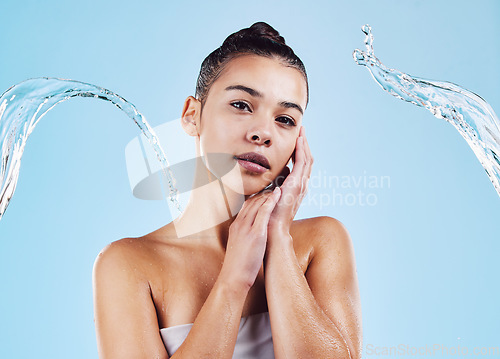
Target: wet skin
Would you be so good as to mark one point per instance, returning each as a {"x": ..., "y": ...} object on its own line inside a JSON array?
[{"x": 258, "y": 260}]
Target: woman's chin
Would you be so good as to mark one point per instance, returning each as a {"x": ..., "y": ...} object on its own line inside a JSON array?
[
  {"x": 244, "y": 188},
  {"x": 243, "y": 184}
]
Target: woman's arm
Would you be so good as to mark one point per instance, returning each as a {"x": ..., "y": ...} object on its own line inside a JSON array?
[
  {"x": 125, "y": 316},
  {"x": 126, "y": 320},
  {"x": 317, "y": 315},
  {"x": 124, "y": 313},
  {"x": 215, "y": 329}
]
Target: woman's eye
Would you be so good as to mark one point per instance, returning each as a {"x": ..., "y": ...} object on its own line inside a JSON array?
[
  {"x": 286, "y": 120},
  {"x": 243, "y": 106},
  {"x": 240, "y": 105}
]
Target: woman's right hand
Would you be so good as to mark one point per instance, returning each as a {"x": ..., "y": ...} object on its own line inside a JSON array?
[{"x": 247, "y": 240}]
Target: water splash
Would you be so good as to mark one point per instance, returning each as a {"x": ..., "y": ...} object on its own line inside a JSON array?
[
  {"x": 472, "y": 116},
  {"x": 23, "y": 105}
]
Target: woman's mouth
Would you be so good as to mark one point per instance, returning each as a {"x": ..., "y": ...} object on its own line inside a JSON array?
[{"x": 253, "y": 161}]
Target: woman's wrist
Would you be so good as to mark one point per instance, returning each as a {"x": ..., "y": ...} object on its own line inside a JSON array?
[
  {"x": 234, "y": 286},
  {"x": 279, "y": 238}
]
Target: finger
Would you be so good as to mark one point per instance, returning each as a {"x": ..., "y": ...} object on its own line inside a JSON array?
[
  {"x": 309, "y": 159},
  {"x": 253, "y": 210},
  {"x": 246, "y": 204},
  {"x": 262, "y": 217},
  {"x": 294, "y": 183},
  {"x": 308, "y": 150},
  {"x": 294, "y": 180},
  {"x": 294, "y": 154},
  {"x": 253, "y": 204}
]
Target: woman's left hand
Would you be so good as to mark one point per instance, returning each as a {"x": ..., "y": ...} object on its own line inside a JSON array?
[{"x": 293, "y": 189}]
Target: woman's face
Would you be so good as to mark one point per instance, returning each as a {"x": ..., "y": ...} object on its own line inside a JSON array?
[{"x": 254, "y": 107}]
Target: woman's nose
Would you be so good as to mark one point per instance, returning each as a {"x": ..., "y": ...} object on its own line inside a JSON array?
[
  {"x": 260, "y": 135},
  {"x": 260, "y": 139}
]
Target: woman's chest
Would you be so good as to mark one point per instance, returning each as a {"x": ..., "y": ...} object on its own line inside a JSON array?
[{"x": 181, "y": 282}]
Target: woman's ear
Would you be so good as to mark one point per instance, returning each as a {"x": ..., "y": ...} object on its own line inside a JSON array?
[{"x": 191, "y": 116}]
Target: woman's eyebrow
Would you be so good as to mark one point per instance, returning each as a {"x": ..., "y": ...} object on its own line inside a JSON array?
[
  {"x": 249, "y": 90},
  {"x": 287, "y": 104},
  {"x": 255, "y": 93}
]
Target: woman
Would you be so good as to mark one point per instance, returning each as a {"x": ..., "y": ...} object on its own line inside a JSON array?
[{"x": 234, "y": 270}]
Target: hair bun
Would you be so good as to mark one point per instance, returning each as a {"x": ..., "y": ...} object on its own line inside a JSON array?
[
  {"x": 260, "y": 39},
  {"x": 262, "y": 29}
]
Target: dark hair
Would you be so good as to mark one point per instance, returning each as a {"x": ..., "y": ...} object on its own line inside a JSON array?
[{"x": 259, "y": 39}]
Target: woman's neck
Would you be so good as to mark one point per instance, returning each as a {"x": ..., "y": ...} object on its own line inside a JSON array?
[{"x": 210, "y": 211}]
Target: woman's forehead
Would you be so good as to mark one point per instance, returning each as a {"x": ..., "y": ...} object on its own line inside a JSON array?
[{"x": 268, "y": 77}]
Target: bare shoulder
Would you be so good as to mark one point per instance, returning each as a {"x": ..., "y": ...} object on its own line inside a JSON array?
[
  {"x": 119, "y": 251},
  {"x": 124, "y": 314},
  {"x": 116, "y": 259},
  {"x": 332, "y": 277},
  {"x": 116, "y": 249},
  {"x": 139, "y": 261},
  {"x": 319, "y": 224},
  {"x": 320, "y": 231},
  {"x": 318, "y": 237},
  {"x": 129, "y": 254}
]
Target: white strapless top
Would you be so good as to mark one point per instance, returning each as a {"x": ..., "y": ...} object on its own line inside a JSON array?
[{"x": 254, "y": 339}]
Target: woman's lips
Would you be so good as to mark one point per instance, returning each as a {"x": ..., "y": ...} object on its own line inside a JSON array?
[
  {"x": 253, "y": 167},
  {"x": 253, "y": 161}
]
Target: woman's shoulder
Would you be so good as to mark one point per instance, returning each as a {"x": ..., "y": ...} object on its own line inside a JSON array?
[
  {"x": 310, "y": 234},
  {"x": 323, "y": 242},
  {"x": 121, "y": 247},
  {"x": 128, "y": 254},
  {"x": 117, "y": 256},
  {"x": 322, "y": 227}
]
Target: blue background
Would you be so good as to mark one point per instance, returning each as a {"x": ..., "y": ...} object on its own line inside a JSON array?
[{"x": 427, "y": 251}]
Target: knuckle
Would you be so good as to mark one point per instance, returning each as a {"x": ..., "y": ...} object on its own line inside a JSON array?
[
  {"x": 235, "y": 226},
  {"x": 252, "y": 236},
  {"x": 257, "y": 231},
  {"x": 259, "y": 234}
]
